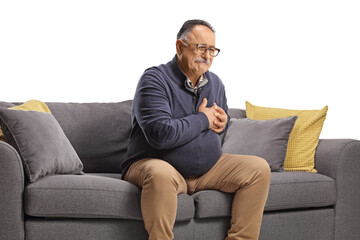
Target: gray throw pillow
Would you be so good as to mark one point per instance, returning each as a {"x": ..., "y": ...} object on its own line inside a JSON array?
[
  {"x": 41, "y": 143},
  {"x": 99, "y": 132},
  {"x": 264, "y": 138}
]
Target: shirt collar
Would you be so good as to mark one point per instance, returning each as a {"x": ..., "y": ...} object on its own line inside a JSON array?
[{"x": 201, "y": 82}]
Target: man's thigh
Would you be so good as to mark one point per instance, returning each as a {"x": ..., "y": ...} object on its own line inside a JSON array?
[
  {"x": 231, "y": 172},
  {"x": 159, "y": 171}
]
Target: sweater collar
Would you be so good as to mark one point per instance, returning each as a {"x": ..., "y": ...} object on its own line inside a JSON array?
[{"x": 180, "y": 76}]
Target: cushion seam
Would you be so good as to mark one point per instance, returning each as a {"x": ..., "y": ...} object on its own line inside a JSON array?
[
  {"x": 271, "y": 208},
  {"x": 91, "y": 215},
  {"x": 323, "y": 202},
  {"x": 79, "y": 189},
  {"x": 330, "y": 181}
]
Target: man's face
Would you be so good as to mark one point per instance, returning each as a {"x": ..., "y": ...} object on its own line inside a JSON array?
[{"x": 191, "y": 61}]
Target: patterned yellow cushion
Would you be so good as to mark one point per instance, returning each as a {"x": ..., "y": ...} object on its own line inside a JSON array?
[
  {"x": 31, "y": 105},
  {"x": 304, "y": 137}
]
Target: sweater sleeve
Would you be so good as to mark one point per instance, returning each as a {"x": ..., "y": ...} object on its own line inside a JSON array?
[{"x": 153, "y": 113}]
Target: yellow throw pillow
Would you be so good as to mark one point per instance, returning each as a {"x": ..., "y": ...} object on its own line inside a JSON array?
[
  {"x": 304, "y": 137},
  {"x": 31, "y": 105}
]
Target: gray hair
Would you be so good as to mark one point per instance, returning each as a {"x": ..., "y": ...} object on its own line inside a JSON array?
[{"x": 189, "y": 25}]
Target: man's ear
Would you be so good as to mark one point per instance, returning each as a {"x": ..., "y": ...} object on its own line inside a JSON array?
[{"x": 179, "y": 47}]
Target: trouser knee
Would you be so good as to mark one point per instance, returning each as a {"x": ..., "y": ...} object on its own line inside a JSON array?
[
  {"x": 164, "y": 177},
  {"x": 262, "y": 168}
]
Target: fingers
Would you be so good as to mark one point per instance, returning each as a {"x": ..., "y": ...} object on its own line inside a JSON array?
[
  {"x": 216, "y": 115},
  {"x": 219, "y": 109},
  {"x": 217, "y": 130},
  {"x": 220, "y": 125},
  {"x": 221, "y": 121},
  {"x": 221, "y": 117},
  {"x": 221, "y": 114}
]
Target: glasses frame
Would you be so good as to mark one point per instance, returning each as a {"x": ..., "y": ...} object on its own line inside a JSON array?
[{"x": 203, "y": 45}]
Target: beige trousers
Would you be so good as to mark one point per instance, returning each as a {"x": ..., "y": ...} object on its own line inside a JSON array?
[{"x": 246, "y": 176}]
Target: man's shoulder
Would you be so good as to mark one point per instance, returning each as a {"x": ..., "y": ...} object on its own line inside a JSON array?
[
  {"x": 155, "y": 76},
  {"x": 211, "y": 74},
  {"x": 168, "y": 72},
  {"x": 154, "y": 69},
  {"x": 158, "y": 70},
  {"x": 215, "y": 79}
]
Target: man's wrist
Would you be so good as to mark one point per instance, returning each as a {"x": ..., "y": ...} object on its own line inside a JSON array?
[{"x": 204, "y": 121}]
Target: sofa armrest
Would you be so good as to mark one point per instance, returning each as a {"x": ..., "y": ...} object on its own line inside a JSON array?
[
  {"x": 340, "y": 160},
  {"x": 11, "y": 194}
]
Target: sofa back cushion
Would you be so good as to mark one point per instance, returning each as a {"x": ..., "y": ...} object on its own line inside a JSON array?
[
  {"x": 99, "y": 132},
  {"x": 237, "y": 113},
  {"x": 234, "y": 113}
]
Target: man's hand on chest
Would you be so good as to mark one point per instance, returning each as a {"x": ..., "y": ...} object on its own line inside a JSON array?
[{"x": 216, "y": 115}]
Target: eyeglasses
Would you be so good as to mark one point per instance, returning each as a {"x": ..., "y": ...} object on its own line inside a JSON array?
[{"x": 202, "y": 48}]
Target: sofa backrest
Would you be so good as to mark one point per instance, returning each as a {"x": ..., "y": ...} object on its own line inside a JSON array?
[
  {"x": 237, "y": 113},
  {"x": 99, "y": 132},
  {"x": 234, "y": 113}
]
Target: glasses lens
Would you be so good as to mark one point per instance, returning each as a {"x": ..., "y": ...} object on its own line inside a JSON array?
[
  {"x": 201, "y": 49},
  {"x": 214, "y": 52}
]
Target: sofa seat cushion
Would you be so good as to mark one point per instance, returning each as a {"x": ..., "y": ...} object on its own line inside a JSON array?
[
  {"x": 91, "y": 196},
  {"x": 288, "y": 190}
]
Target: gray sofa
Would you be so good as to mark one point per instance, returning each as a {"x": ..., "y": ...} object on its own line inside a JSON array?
[{"x": 99, "y": 205}]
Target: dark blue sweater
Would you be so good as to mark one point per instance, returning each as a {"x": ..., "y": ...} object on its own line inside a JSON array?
[{"x": 167, "y": 124}]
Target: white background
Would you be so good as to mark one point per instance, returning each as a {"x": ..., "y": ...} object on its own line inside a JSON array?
[{"x": 286, "y": 54}]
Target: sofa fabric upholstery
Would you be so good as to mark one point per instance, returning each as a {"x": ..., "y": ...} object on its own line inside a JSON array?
[
  {"x": 91, "y": 196},
  {"x": 12, "y": 181},
  {"x": 100, "y": 205},
  {"x": 340, "y": 160},
  {"x": 288, "y": 190},
  {"x": 84, "y": 197},
  {"x": 41, "y": 143},
  {"x": 98, "y": 131},
  {"x": 264, "y": 138},
  {"x": 296, "y": 190},
  {"x": 314, "y": 224}
]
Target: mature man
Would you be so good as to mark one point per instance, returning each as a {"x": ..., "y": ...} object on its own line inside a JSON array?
[{"x": 179, "y": 110}]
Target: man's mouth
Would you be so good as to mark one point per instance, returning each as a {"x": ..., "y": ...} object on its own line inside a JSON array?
[{"x": 201, "y": 60}]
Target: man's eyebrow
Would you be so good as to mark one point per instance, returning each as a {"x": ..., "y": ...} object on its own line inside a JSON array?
[{"x": 204, "y": 44}]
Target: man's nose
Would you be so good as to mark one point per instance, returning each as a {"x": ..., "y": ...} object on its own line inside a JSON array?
[{"x": 206, "y": 54}]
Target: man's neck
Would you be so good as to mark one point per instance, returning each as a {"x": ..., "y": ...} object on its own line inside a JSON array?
[{"x": 194, "y": 82}]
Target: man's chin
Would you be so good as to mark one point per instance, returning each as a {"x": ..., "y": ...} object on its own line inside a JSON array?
[
  {"x": 202, "y": 71},
  {"x": 205, "y": 68}
]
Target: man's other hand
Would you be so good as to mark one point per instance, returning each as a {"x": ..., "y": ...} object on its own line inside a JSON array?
[
  {"x": 216, "y": 115},
  {"x": 221, "y": 119}
]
